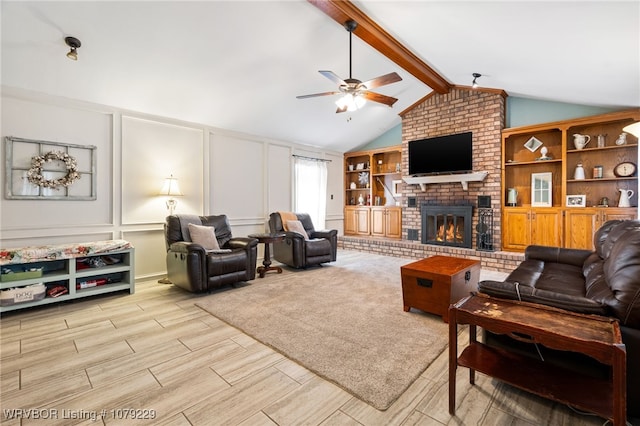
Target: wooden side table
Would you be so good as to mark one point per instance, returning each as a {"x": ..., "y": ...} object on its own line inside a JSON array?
[
  {"x": 267, "y": 239},
  {"x": 434, "y": 283},
  {"x": 596, "y": 336}
]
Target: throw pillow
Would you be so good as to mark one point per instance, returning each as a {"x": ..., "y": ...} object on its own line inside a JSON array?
[
  {"x": 204, "y": 235},
  {"x": 296, "y": 226}
]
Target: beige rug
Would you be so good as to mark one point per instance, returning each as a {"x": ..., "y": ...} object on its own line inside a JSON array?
[{"x": 344, "y": 321}]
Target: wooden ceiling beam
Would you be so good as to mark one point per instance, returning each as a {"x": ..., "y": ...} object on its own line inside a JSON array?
[{"x": 374, "y": 35}]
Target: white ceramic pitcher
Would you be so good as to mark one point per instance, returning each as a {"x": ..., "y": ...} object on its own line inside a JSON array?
[
  {"x": 580, "y": 141},
  {"x": 625, "y": 197}
]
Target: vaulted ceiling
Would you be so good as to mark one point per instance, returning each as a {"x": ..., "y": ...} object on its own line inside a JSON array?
[{"x": 239, "y": 65}]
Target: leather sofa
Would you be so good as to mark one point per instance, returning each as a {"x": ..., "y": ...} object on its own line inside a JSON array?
[
  {"x": 605, "y": 281},
  {"x": 195, "y": 269},
  {"x": 298, "y": 252}
]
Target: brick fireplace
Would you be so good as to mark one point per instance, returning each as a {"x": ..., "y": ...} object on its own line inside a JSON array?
[
  {"x": 461, "y": 110},
  {"x": 481, "y": 111}
]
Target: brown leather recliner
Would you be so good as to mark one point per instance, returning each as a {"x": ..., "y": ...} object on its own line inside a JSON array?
[
  {"x": 295, "y": 251},
  {"x": 195, "y": 269},
  {"x": 605, "y": 281}
]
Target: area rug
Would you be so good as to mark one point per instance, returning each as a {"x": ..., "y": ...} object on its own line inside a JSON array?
[{"x": 344, "y": 321}]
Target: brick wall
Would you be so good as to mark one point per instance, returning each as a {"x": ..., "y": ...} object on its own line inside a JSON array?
[
  {"x": 498, "y": 261},
  {"x": 460, "y": 110}
]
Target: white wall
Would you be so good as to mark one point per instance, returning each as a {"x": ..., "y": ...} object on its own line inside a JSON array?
[{"x": 245, "y": 177}]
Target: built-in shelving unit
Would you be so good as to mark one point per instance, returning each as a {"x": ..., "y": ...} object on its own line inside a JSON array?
[
  {"x": 561, "y": 224},
  {"x": 372, "y": 198}
]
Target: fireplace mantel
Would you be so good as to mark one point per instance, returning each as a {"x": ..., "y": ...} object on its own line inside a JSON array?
[{"x": 463, "y": 178}]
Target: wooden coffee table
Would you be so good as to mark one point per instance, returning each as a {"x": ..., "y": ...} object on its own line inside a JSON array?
[
  {"x": 434, "y": 283},
  {"x": 267, "y": 239},
  {"x": 596, "y": 336}
]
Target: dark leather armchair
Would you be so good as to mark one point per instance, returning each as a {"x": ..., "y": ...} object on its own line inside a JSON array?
[
  {"x": 195, "y": 269},
  {"x": 296, "y": 251}
]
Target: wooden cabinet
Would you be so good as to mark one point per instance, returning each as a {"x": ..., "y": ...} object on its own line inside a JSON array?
[
  {"x": 372, "y": 203},
  {"x": 386, "y": 222},
  {"x": 522, "y": 156},
  {"x": 356, "y": 220},
  {"x": 80, "y": 277},
  {"x": 580, "y": 224},
  {"x": 524, "y": 226}
]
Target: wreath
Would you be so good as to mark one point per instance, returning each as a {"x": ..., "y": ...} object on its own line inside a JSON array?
[{"x": 34, "y": 174}]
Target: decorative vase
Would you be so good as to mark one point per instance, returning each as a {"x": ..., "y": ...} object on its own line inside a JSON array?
[{"x": 579, "y": 172}]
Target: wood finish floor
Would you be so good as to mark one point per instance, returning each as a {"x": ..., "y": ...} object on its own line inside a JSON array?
[{"x": 115, "y": 356}]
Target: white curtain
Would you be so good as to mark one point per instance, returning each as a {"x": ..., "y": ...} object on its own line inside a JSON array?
[{"x": 310, "y": 189}]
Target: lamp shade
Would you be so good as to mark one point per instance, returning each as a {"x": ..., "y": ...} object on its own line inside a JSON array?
[
  {"x": 633, "y": 128},
  {"x": 170, "y": 187}
]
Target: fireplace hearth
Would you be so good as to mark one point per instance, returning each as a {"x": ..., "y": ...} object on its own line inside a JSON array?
[{"x": 446, "y": 225}]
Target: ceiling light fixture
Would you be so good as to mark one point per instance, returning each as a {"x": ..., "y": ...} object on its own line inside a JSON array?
[
  {"x": 350, "y": 102},
  {"x": 475, "y": 75},
  {"x": 74, "y": 44}
]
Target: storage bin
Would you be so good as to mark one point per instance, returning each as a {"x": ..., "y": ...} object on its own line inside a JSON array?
[
  {"x": 14, "y": 296},
  {"x": 20, "y": 275}
]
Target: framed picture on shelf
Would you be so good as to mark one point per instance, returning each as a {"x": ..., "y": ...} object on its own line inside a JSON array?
[
  {"x": 397, "y": 188},
  {"x": 360, "y": 166},
  {"x": 533, "y": 144},
  {"x": 541, "y": 189},
  {"x": 576, "y": 201}
]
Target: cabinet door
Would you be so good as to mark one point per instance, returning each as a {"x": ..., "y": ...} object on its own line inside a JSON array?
[
  {"x": 546, "y": 227},
  {"x": 362, "y": 221},
  {"x": 394, "y": 222},
  {"x": 378, "y": 216},
  {"x": 516, "y": 233},
  {"x": 350, "y": 221},
  {"x": 579, "y": 227}
]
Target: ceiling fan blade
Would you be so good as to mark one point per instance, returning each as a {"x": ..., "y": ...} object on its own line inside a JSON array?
[
  {"x": 333, "y": 77},
  {"x": 383, "y": 80},
  {"x": 317, "y": 94},
  {"x": 377, "y": 97}
]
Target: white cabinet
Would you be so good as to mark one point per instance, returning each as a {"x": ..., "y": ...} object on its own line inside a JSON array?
[{"x": 80, "y": 276}]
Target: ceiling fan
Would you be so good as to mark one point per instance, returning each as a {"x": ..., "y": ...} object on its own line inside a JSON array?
[{"x": 355, "y": 91}]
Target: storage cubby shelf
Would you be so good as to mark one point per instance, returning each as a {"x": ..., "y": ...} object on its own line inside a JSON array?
[{"x": 67, "y": 274}]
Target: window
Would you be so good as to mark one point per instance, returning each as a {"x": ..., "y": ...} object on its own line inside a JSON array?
[{"x": 310, "y": 189}]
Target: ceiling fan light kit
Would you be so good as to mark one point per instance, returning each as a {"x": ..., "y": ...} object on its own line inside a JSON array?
[
  {"x": 355, "y": 92},
  {"x": 350, "y": 103}
]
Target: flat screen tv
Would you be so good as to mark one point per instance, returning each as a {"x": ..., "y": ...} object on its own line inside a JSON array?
[{"x": 442, "y": 154}]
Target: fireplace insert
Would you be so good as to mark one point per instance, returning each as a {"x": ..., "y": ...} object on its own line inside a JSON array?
[{"x": 446, "y": 225}]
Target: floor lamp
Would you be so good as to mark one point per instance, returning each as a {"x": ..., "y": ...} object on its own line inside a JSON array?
[{"x": 171, "y": 189}]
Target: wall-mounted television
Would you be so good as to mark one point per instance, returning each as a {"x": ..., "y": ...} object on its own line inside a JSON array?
[{"x": 441, "y": 154}]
